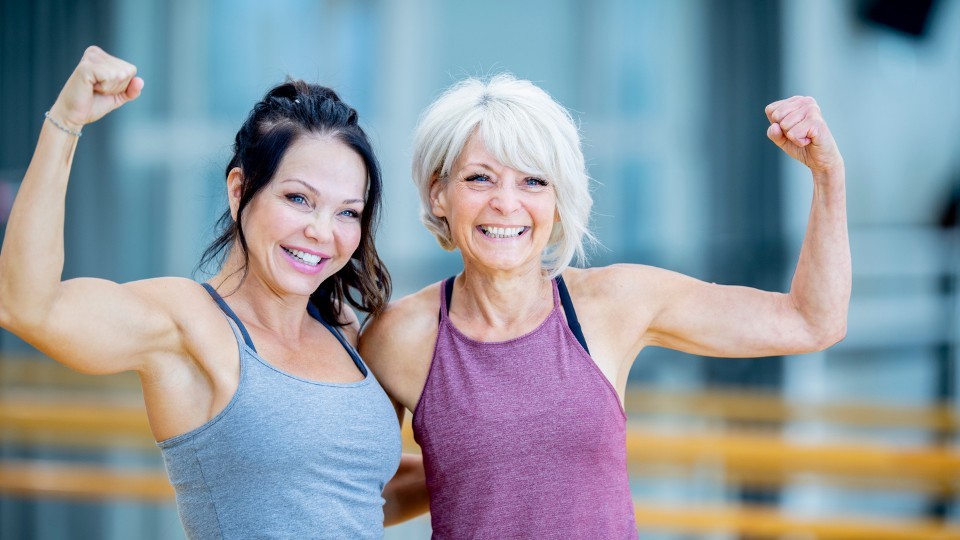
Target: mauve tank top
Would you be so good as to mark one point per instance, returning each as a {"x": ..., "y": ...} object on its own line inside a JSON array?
[{"x": 523, "y": 438}]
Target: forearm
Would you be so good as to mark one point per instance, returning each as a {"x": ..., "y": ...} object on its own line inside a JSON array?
[
  {"x": 31, "y": 260},
  {"x": 822, "y": 282},
  {"x": 406, "y": 493}
]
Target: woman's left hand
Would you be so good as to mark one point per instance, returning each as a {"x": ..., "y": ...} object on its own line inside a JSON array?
[{"x": 798, "y": 128}]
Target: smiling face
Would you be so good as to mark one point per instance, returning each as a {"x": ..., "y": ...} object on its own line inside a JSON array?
[
  {"x": 500, "y": 218},
  {"x": 305, "y": 224}
]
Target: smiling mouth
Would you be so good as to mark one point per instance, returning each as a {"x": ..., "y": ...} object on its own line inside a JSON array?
[
  {"x": 306, "y": 258},
  {"x": 502, "y": 232}
]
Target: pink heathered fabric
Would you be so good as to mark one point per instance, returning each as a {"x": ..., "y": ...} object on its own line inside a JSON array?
[{"x": 523, "y": 438}]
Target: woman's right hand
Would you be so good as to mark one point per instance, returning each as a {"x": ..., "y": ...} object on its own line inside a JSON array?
[{"x": 99, "y": 84}]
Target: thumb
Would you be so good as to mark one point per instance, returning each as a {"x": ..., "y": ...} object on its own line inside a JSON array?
[
  {"x": 133, "y": 89},
  {"x": 128, "y": 94}
]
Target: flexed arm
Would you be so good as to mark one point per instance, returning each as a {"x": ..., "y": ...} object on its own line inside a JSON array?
[
  {"x": 31, "y": 261},
  {"x": 822, "y": 281},
  {"x": 721, "y": 320},
  {"x": 91, "y": 325}
]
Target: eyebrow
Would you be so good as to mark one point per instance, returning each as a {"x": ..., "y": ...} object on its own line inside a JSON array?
[
  {"x": 318, "y": 194},
  {"x": 482, "y": 164}
]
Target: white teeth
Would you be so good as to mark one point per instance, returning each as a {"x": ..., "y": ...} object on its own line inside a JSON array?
[
  {"x": 307, "y": 258},
  {"x": 502, "y": 232}
]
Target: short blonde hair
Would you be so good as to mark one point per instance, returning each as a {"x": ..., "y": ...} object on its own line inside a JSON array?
[{"x": 526, "y": 130}]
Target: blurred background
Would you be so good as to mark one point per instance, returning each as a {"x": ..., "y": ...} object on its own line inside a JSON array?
[{"x": 860, "y": 441}]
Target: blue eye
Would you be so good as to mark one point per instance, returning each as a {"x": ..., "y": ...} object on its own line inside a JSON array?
[
  {"x": 297, "y": 198},
  {"x": 352, "y": 214},
  {"x": 536, "y": 182},
  {"x": 477, "y": 178}
]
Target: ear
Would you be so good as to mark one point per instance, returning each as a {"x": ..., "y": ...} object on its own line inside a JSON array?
[
  {"x": 234, "y": 189},
  {"x": 556, "y": 215},
  {"x": 438, "y": 199}
]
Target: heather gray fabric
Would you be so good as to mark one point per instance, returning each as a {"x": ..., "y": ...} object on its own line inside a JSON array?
[{"x": 287, "y": 457}]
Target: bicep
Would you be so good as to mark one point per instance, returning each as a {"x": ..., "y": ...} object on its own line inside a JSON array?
[
  {"x": 703, "y": 318},
  {"x": 100, "y": 327}
]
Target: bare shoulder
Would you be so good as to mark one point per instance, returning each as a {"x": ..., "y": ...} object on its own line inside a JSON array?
[
  {"x": 185, "y": 301},
  {"x": 616, "y": 282},
  {"x": 615, "y": 305},
  {"x": 398, "y": 344},
  {"x": 199, "y": 322},
  {"x": 404, "y": 324},
  {"x": 610, "y": 293},
  {"x": 169, "y": 291}
]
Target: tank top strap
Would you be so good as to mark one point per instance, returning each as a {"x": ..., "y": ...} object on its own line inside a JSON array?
[
  {"x": 237, "y": 325},
  {"x": 354, "y": 355},
  {"x": 447, "y": 296},
  {"x": 561, "y": 297},
  {"x": 561, "y": 291}
]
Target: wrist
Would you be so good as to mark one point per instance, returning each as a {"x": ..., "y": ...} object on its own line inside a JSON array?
[
  {"x": 63, "y": 125},
  {"x": 62, "y": 116},
  {"x": 834, "y": 176}
]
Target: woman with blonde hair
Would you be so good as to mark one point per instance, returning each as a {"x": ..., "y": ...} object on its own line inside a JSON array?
[{"x": 515, "y": 369}]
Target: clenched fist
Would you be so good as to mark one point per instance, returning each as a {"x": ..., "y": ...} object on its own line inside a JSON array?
[
  {"x": 99, "y": 84},
  {"x": 798, "y": 127}
]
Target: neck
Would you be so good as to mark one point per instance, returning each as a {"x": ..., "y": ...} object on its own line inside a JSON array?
[
  {"x": 503, "y": 300},
  {"x": 258, "y": 304}
]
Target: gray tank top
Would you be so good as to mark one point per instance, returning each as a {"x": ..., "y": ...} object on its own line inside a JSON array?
[{"x": 287, "y": 457}]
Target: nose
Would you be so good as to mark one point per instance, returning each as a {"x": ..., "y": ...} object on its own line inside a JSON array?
[
  {"x": 505, "y": 199},
  {"x": 320, "y": 228}
]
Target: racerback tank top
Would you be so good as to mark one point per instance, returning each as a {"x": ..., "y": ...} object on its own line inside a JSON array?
[
  {"x": 523, "y": 438},
  {"x": 287, "y": 457}
]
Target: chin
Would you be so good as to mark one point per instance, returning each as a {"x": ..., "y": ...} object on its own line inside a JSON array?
[
  {"x": 301, "y": 286},
  {"x": 505, "y": 264}
]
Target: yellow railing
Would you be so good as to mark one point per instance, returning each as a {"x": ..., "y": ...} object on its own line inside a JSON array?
[{"x": 97, "y": 412}]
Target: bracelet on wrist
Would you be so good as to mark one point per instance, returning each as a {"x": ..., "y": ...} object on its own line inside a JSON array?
[{"x": 60, "y": 126}]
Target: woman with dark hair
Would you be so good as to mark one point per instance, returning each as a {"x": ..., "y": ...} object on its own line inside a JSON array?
[{"x": 269, "y": 422}]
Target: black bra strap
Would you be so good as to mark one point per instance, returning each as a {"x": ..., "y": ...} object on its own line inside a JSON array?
[
  {"x": 448, "y": 290},
  {"x": 571, "y": 313},
  {"x": 565, "y": 301},
  {"x": 354, "y": 355},
  {"x": 226, "y": 309}
]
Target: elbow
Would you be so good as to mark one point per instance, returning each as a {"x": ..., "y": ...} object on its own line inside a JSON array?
[
  {"x": 6, "y": 321},
  {"x": 21, "y": 322},
  {"x": 827, "y": 336},
  {"x": 8, "y": 313}
]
